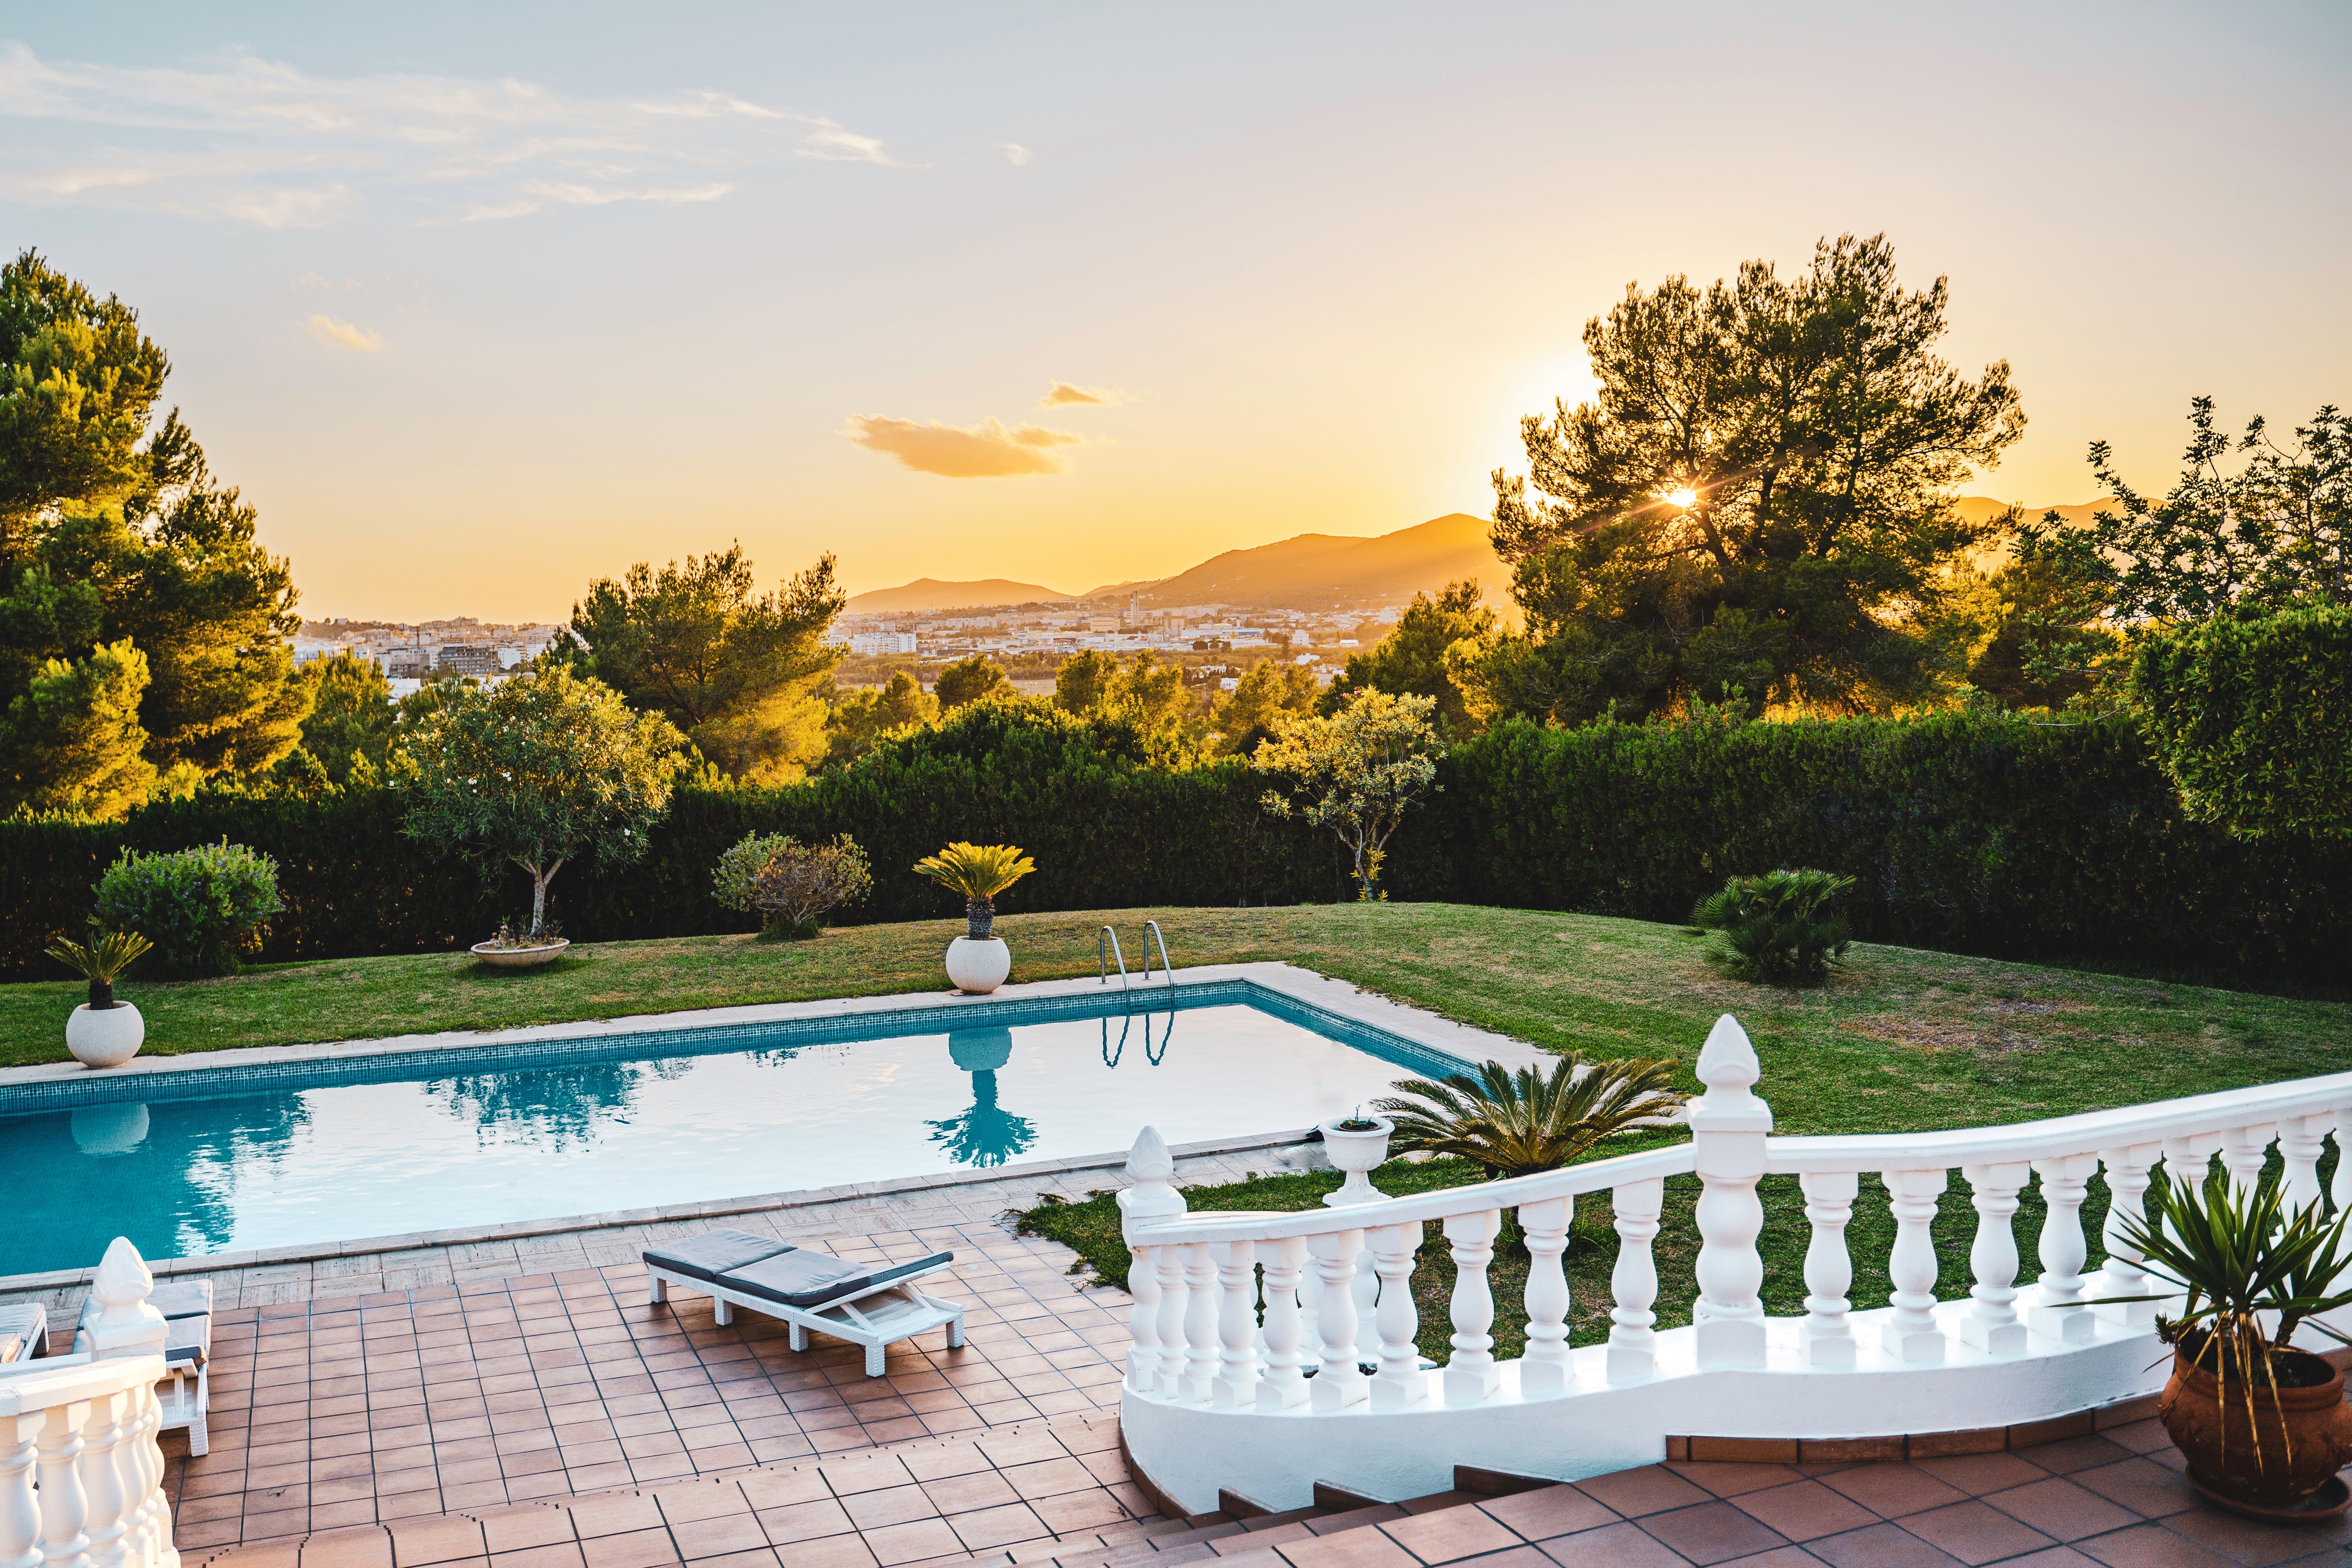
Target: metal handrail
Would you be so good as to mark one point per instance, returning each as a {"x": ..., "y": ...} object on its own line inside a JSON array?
[
  {"x": 1150, "y": 930},
  {"x": 1103, "y": 958}
]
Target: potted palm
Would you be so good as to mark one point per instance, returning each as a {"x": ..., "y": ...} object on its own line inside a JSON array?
[
  {"x": 2262, "y": 1425},
  {"x": 103, "y": 1031},
  {"x": 978, "y": 961},
  {"x": 1519, "y": 1123}
]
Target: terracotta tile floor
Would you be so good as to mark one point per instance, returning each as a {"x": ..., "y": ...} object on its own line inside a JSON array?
[{"x": 346, "y": 1410}]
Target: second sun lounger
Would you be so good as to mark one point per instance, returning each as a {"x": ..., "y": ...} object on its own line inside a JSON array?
[{"x": 808, "y": 1290}]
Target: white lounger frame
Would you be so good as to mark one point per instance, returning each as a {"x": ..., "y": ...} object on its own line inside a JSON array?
[{"x": 907, "y": 1313}]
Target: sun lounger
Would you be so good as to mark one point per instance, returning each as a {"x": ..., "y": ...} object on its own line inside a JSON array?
[
  {"x": 806, "y": 1289},
  {"x": 187, "y": 1308},
  {"x": 22, "y": 1327}
]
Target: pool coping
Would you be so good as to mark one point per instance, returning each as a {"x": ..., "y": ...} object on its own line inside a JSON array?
[{"x": 1322, "y": 991}]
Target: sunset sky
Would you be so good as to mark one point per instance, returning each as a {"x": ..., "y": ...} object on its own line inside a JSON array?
[{"x": 479, "y": 301}]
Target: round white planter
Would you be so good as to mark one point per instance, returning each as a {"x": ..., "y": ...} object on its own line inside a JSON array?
[
  {"x": 979, "y": 967},
  {"x": 1356, "y": 1153},
  {"x": 520, "y": 957},
  {"x": 105, "y": 1039}
]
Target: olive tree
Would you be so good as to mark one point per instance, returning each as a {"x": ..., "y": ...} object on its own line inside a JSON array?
[
  {"x": 1356, "y": 771},
  {"x": 540, "y": 770}
]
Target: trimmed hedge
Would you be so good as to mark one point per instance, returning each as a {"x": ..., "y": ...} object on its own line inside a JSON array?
[{"x": 1971, "y": 833}]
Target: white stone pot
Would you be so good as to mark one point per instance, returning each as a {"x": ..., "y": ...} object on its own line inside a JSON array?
[
  {"x": 106, "y": 1039},
  {"x": 1356, "y": 1153},
  {"x": 979, "y": 967},
  {"x": 520, "y": 957}
]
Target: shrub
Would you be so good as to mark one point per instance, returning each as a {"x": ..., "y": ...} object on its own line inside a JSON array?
[
  {"x": 791, "y": 885},
  {"x": 1778, "y": 926},
  {"x": 1516, "y": 1124},
  {"x": 202, "y": 907}
]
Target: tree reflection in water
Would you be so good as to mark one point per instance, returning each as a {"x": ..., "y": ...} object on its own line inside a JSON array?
[
  {"x": 987, "y": 1134},
  {"x": 559, "y": 1107}
]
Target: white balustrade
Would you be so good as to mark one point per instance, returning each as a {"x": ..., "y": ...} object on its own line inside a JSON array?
[
  {"x": 1152, "y": 1197},
  {"x": 2301, "y": 1141},
  {"x": 1911, "y": 1333},
  {"x": 1203, "y": 1343},
  {"x": 1543, "y": 1369},
  {"x": 1729, "y": 1128},
  {"x": 1284, "y": 1383},
  {"x": 1826, "y": 1337},
  {"x": 1991, "y": 1324},
  {"x": 87, "y": 1428},
  {"x": 2243, "y": 1151},
  {"x": 1235, "y": 1262},
  {"x": 1633, "y": 1341},
  {"x": 2123, "y": 1287},
  {"x": 2057, "y": 1308},
  {"x": 1471, "y": 1373},
  {"x": 1340, "y": 1381},
  {"x": 1399, "y": 1382}
]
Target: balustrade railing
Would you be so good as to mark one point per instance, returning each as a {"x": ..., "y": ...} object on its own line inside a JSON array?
[{"x": 1232, "y": 1311}]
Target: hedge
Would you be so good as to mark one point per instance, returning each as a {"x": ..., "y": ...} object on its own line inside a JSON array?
[{"x": 1973, "y": 833}]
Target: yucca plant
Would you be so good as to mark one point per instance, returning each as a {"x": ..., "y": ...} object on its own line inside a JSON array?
[
  {"x": 1778, "y": 926},
  {"x": 100, "y": 961},
  {"x": 1518, "y": 1124},
  {"x": 979, "y": 872}
]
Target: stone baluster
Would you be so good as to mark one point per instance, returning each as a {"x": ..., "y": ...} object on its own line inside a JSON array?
[
  {"x": 1168, "y": 1381},
  {"x": 2244, "y": 1151},
  {"x": 1826, "y": 1336},
  {"x": 1399, "y": 1382},
  {"x": 64, "y": 1508},
  {"x": 1991, "y": 1324},
  {"x": 1237, "y": 1267},
  {"x": 1633, "y": 1339},
  {"x": 154, "y": 1515},
  {"x": 1471, "y": 1372},
  {"x": 1910, "y": 1331},
  {"x": 1729, "y": 1128},
  {"x": 20, "y": 1506},
  {"x": 1203, "y": 1343},
  {"x": 1543, "y": 1366},
  {"x": 1285, "y": 1383},
  {"x": 106, "y": 1490},
  {"x": 2339, "y": 1188},
  {"x": 2121, "y": 1276},
  {"x": 1340, "y": 1382},
  {"x": 2057, "y": 1308},
  {"x": 1153, "y": 1196},
  {"x": 2190, "y": 1161},
  {"x": 2301, "y": 1140}
]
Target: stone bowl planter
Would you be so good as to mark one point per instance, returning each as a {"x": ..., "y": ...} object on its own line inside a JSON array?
[
  {"x": 2305, "y": 1437},
  {"x": 106, "y": 1038},
  {"x": 520, "y": 957},
  {"x": 979, "y": 967},
  {"x": 1358, "y": 1154}
]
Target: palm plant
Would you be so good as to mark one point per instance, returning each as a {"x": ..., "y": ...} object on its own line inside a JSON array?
[
  {"x": 979, "y": 872},
  {"x": 103, "y": 957},
  {"x": 1778, "y": 926},
  {"x": 1516, "y": 1124}
]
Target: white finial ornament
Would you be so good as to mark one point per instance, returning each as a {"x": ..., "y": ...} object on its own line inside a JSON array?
[{"x": 1153, "y": 1195}]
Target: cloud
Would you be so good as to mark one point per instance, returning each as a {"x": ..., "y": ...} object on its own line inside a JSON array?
[
  {"x": 237, "y": 136},
  {"x": 984, "y": 451},
  {"x": 309, "y": 280},
  {"x": 1064, "y": 393},
  {"x": 343, "y": 336},
  {"x": 1014, "y": 153}
]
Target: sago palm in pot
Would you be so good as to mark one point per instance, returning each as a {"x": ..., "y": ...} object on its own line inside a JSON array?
[{"x": 977, "y": 961}]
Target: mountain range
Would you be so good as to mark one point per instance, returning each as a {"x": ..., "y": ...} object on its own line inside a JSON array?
[{"x": 1307, "y": 572}]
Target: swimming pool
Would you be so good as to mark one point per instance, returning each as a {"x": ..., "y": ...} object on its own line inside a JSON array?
[{"x": 191, "y": 1164}]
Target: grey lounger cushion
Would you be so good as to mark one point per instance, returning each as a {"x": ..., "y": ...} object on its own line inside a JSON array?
[
  {"x": 21, "y": 1329},
  {"x": 713, "y": 1253},
  {"x": 802, "y": 1278},
  {"x": 181, "y": 1298}
]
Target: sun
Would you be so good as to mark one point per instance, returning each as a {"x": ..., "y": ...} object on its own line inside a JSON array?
[{"x": 1684, "y": 499}]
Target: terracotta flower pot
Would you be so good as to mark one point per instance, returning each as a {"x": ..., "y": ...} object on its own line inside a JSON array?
[{"x": 2287, "y": 1446}]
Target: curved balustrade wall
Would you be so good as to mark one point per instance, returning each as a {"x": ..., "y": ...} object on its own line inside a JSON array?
[{"x": 1270, "y": 1351}]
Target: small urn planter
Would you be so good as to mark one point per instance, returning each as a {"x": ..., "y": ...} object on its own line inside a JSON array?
[
  {"x": 1358, "y": 1151},
  {"x": 978, "y": 965},
  {"x": 105, "y": 1037},
  {"x": 2303, "y": 1436},
  {"x": 520, "y": 957}
]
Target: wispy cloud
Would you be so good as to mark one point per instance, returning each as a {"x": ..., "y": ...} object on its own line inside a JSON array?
[
  {"x": 1014, "y": 152},
  {"x": 343, "y": 336},
  {"x": 984, "y": 451},
  {"x": 1064, "y": 395},
  {"x": 237, "y": 136}
]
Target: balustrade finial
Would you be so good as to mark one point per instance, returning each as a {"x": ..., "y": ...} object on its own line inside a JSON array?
[
  {"x": 122, "y": 1284},
  {"x": 1728, "y": 1067},
  {"x": 1148, "y": 1160},
  {"x": 1153, "y": 1196}
]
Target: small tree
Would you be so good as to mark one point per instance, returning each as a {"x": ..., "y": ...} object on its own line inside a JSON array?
[
  {"x": 540, "y": 770},
  {"x": 967, "y": 680},
  {"x": 1356, "y": 773},
  {"x": 794, "y": 886}
]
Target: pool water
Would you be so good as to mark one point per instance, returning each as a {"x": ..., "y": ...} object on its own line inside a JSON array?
[{"x": 307, "y": 1154}]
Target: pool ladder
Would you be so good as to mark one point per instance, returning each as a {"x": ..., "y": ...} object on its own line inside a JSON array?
[{"x": 1106, "y": 949}]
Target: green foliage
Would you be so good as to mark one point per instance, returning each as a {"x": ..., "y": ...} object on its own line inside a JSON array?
[
  {"x": 1780, "y": 926},
  {"x": 863, "y": 717},
  {"x": 967, "y": 680},
  {"x": 1412, "y": 660},
  {"x": 733, "y": 670},
  {"x": 1145, "y": 692},
  {"x": 793, "y": 886},
  {"x": 1516, "y": 1124},
  {"x": 1356, "y": 773},
  {"x": 1267, "y": 694},
  {"x": 540, "y": 770},
  {"x": 71, "y": 741},
  {"x": 2251, "y": 716},
  {"x": 100, "y": 960},
  {"x": 2276, "y": 530},
  {"x": 349, "y": 733},
  {"x": 1760, "y": 499},
  {"x": 979, "y": 872},
  {"x": 202, "y": 907}
]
